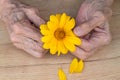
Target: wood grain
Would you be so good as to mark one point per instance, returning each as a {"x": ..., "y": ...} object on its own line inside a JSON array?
[{"x": 16, "y": 64}]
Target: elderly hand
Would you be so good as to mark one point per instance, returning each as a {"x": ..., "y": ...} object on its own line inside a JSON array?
[
  {"x": 92, "y": 27},
  {"x": 23, "y": 26}
]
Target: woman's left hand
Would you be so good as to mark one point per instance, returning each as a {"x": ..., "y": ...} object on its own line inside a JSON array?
[{"x": 92, "y": 27}]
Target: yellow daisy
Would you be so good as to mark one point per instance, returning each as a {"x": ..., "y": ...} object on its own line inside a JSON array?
[{"x": 58, "y": 35}]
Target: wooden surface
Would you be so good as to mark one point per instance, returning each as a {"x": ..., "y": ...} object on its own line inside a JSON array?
[{"x": 16, "y": 64}]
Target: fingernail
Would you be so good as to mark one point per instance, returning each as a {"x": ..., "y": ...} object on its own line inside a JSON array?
[{"x": 77, "y": 31}]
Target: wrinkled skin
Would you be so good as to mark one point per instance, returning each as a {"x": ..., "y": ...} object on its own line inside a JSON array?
[
  {"x": 92, "y": 27},
  {"x": 23, "y": 26}
]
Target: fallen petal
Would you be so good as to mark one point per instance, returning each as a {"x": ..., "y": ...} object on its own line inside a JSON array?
[{"x": 61, "y": 75}]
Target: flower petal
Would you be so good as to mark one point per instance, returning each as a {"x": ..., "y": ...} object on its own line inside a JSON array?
[
  {"x": 43, "y": 26},
  {"x": 46, "y": 38},
  {"x": 61, "y": 48},
  {"x": 61, "y": 75},
  {"x": 69, "y": 45},
  {"x": 62, "y": 20},
  {"x": 58, "y": 16},
  {"x": 54, "y": 20},
  {"x": 51, "y": 26},
  {"x": 80, "y": 66},
  {"x": 73, "y": 39},
  {"x": 69, "y": 33},
  {"x": 67, "y": 18},
  {"x": 73, "y": 65},
  {"x": 70, "y": 24},
  {"x": 44, "y": 29},
  {"x": 45, "y": 32},
  {"x": 46, "y": 46},
  {"x": 53, "y": 46}
]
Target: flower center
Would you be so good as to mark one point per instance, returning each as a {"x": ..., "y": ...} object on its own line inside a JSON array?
[{"x": 59, "y": 34}]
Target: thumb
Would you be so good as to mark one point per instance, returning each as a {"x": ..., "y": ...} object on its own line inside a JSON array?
[{"x": 86, "y": 27}]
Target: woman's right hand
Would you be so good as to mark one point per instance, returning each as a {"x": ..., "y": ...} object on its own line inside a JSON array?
[{"x": 23, "y": 26}]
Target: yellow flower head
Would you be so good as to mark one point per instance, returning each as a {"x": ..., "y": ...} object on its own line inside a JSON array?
[{"x": 58, "y": 35}]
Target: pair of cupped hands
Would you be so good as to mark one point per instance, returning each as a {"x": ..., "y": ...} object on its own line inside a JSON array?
[{"x": 23, "y": 24}]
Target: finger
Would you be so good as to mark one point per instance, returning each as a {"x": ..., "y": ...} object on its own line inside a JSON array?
[
  {"x": 93, "y": 43},
  {"x": 86, "y": 45},
  {"x": 28, "y": 50},
  {"x": 26, "y": 41},
  {"x": 21, "y": 25},
  {"x": 26, "y": 29},
  {"x": 81, "y": 54},
  {"x": 97, "y": 40},
  {"x": 28, "y": 45},
  {"x": 33, "y": 15},
  {"x": 84, "y": 28}
]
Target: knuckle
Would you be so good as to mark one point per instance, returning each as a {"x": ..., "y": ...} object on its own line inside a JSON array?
[
  {"x": 80, "y": 54},
  {"x": 100, "y": 15},
  {"x": 16, "y": 45},
  {"x": 85, "y": 25},
  {"x": 87, "y": 54},
  {"x": 83, "y": 57},
  {"x": 20, "y": 15},
  {"x": 16, "y": 16},
  {"x": 17, "y": 29},
  {"x": 34, "y": 10},
  {"x": 13, "y": 38},
  {"x": 107, "y": 40},
  {"x": 88, "y": 48},
  {"x": 19, "y": 46},
  {"x": 39, "y": 56}
]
